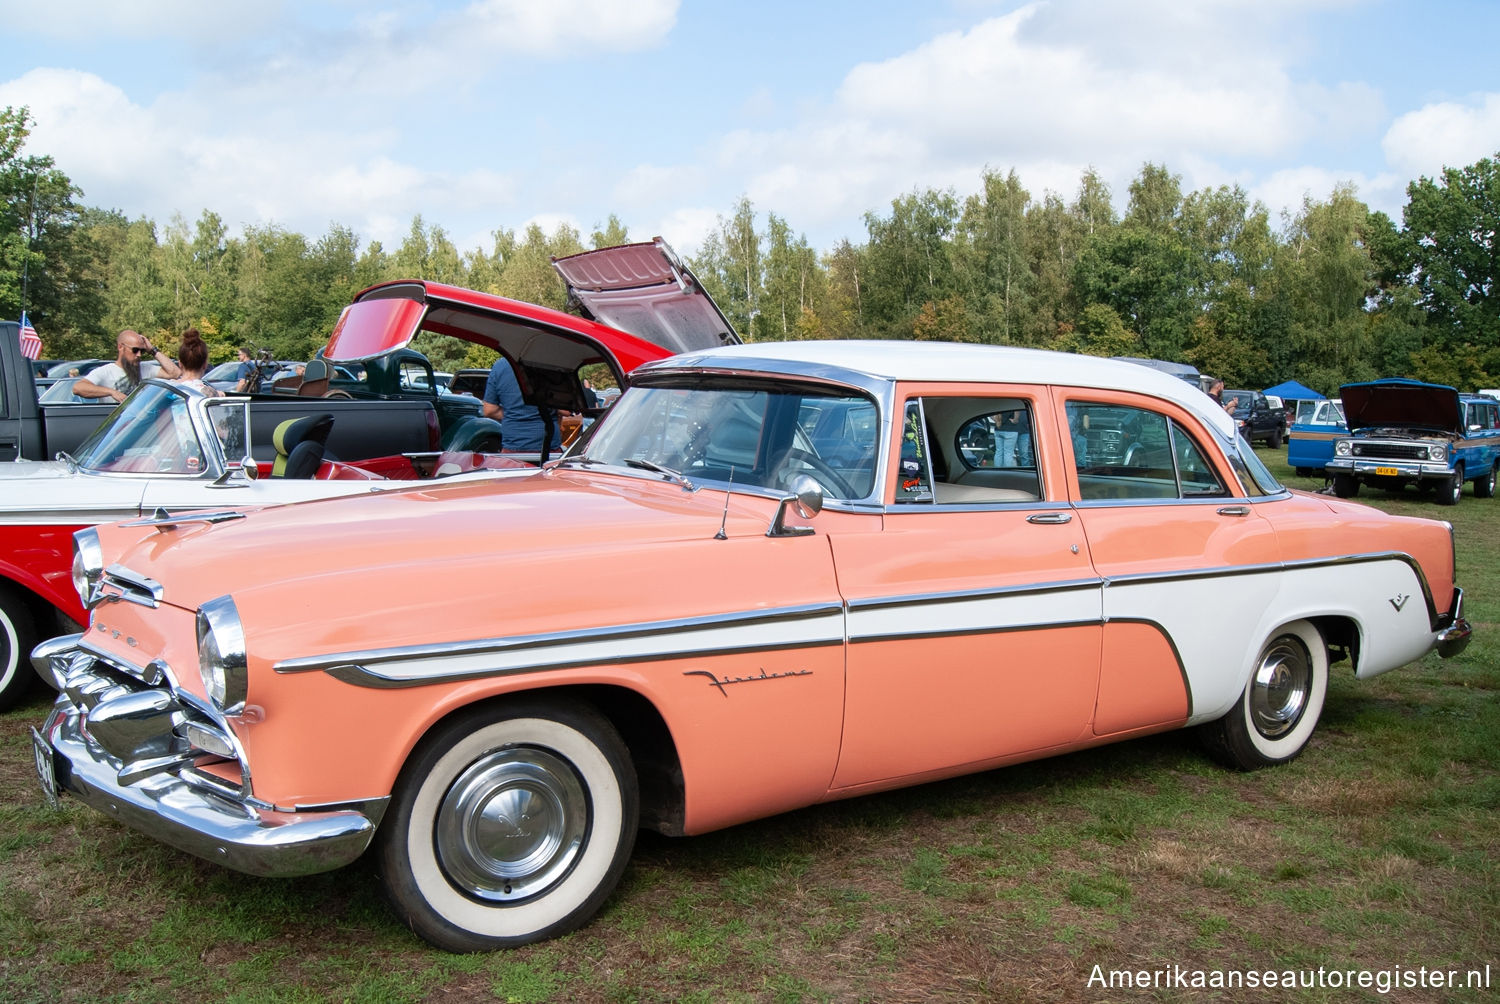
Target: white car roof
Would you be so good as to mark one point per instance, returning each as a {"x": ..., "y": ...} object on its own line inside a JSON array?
[{"x": 952, "y": 362}]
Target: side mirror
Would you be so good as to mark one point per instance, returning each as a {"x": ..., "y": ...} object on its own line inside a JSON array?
[
  {"x": 806, "y": 501},
  {"x": 249, "y": 467}
]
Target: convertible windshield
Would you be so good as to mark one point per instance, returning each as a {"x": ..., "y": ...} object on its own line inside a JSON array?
[
  {"x": 750, "y": 435},
  {"x": 152, "y": 432}
]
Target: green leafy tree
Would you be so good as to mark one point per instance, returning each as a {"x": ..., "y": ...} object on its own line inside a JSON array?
[
  {"x": 1142, "y": 274},
  {"x": 990, "y": 259},
  {"x": 730, "y": 267},
  {"x": 40, "y": 261},
  {"x": 612, "y": 233},
  {"x": 1450, "y": 241},
  {"x": 841, "y": 314},
  {"x": 793, "y": 282},
  {"x": 909, "y": 260},
  {"x": 1331, "y": 278}
]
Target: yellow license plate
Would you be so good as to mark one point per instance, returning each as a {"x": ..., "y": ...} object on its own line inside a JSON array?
[{"x": 1387, "y": 472}]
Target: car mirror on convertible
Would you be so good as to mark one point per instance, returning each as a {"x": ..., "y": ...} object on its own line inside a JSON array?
[{"x": 249, "y": 468}]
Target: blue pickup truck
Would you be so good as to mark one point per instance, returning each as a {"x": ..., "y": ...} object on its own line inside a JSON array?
[
  {"x": 1404, "y": 432},
  {"x": 1314, "y": 428}
]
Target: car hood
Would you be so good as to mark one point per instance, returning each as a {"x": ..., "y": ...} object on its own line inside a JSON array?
[
  {"x": 528, "y": 548},
  {"x": 645, "y": 289},
  {"x": 1402, "y": 404}
]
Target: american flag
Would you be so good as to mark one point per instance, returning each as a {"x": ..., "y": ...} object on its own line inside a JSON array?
[{"x": 31, "y": 342}]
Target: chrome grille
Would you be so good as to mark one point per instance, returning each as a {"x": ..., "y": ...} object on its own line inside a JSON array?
[
  {"x": 145, "y": 728},
  {"x": 1390, "y": 451}
]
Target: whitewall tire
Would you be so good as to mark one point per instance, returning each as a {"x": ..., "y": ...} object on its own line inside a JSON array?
[
  {"x": 510, "y": 824},
  {"x": 1279, "y": 708},
  {"x": 17, "y": 638}
]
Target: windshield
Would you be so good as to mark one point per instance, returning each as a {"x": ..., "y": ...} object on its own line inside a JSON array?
[
  {"x": 1320, "y": 413},
  {"x": 151, "y": 432},
  {"x": 749, "y": 434},
  {"x": 1254, "y": 475}
]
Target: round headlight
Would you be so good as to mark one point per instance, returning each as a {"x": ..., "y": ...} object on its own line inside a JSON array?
[
  {"x": 221, "y": 655},
  {"x": 1342, "y": 447},
  {"x": 88, "y": 562},
  {"x": 1437, "y": 452}
]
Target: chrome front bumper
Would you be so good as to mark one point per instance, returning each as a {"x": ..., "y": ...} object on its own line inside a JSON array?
[
  {"x": 168, "y": 799},
  {"x": 1412, "y": 469}
]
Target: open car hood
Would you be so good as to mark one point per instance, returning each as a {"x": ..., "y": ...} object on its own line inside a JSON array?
[
  {"x": 1400, "y": 403},
  {"x": 645, "y": 289}
]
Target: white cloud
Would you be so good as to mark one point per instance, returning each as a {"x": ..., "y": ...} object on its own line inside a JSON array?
[
  {"x": 563, "y": 25},
  {"x": 684, "y": 229},
  {"x": 997, "y": 89},
  {"x": 648, "y": 184},
  {"x": 1442, "y": 135}
]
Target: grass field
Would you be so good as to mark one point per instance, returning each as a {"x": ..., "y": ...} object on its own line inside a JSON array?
[{"x": 1377, "y": 849}]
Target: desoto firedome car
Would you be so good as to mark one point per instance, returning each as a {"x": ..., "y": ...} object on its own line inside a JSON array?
[{"x": 887, "y": 563}]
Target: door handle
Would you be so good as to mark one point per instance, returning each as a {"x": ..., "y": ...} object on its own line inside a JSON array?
[
  {"x": 1050, "y": 517},
  {"x": 1234, "y": 510}
]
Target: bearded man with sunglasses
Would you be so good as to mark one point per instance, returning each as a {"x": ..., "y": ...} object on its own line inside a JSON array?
[{"x": 135, "y": 360}]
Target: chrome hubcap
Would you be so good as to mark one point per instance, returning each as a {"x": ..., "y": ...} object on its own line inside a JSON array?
[
  {"x": 1282, "y": 681},
  {"x": 512, "y": 824}
]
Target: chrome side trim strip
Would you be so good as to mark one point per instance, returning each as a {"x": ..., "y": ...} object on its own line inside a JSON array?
[
  {"x": 419, "y": 665},
  {"x": 1290, "y": 566},
  {"x": 916, "y": 599}
]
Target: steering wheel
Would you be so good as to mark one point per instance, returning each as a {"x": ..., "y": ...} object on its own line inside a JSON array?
[{"x": 824, "y": 474}]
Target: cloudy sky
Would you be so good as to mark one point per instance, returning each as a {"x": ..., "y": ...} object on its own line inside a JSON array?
[{"x": 486, "y": 114}]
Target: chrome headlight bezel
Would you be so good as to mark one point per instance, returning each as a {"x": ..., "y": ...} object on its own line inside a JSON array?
[
  {"x": 88, "y": 563},
  {"x": 1437, "y": 452},
  {"x": 222, "y": 660},
  {"x": 1343, "y": 448}
]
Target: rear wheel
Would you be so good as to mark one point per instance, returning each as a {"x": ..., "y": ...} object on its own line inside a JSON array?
[
  {"x": 1484, "y": 487},
  {"x": 17, "y": 638},
  {"x": 1274, "y": 439},
  {"x": 510, "y": 824},
  {"x": 1280, "y": 705},
  {"x": 1345, "y": 486}
]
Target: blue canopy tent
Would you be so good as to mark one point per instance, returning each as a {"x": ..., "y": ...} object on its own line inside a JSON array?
[{"x": 1291, "y": 390}]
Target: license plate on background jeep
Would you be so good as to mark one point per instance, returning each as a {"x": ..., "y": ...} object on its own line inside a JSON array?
[
  {"x": 46, "y": 772},
  {"x": 1387, "y": 472}
]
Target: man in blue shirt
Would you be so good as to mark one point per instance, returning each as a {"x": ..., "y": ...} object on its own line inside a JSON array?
[{"x": 521, "y": 425}]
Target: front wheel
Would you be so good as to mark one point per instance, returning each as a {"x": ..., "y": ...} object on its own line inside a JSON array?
[
  {"x": 1484, "y": 486},
  {"x": 1345, "y": 486},
  {"x": 1280, "y": 705},
  {"x": 1451, "y": 490},
  {"x": 510, "y": 824},
  {"x": 17, "y": 638}
]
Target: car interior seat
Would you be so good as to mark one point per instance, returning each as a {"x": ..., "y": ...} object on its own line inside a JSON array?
[
  {"x": 314, "y": 379},
  {"x": 300, "y": 444}
]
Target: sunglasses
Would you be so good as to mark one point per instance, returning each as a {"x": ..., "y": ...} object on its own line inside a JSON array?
[{"x": 138, "y": 350}]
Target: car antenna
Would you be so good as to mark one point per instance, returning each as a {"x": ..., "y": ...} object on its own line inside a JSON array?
[{"x": 721, "y": 535}]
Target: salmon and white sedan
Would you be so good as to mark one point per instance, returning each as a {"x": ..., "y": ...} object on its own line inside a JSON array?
[{"x": 888, "y": 563}]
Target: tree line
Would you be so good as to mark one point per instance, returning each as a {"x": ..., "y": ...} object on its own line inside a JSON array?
[{"x": 1330, "y": 294}]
